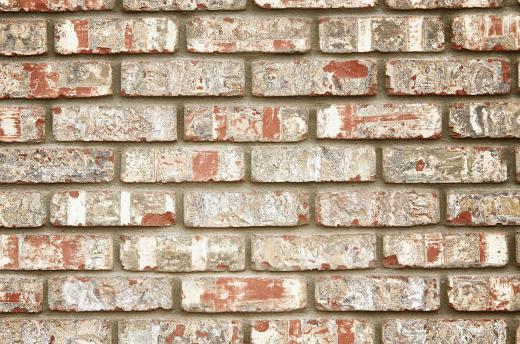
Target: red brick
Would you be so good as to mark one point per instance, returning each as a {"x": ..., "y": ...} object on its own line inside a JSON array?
[
  {"x": 55, "y": 5},
  {"x": 268, "y": 4},
  {"x": 431, "y": 4},
  {"x": 20, "y": 294},
  {"x": 22, "y": 37},
  {"x": 484, "y": 32},
  {"x": 22, "y": 123},
  {"x": 22, "y": 209},
  {"x": 180, "y": 5}
]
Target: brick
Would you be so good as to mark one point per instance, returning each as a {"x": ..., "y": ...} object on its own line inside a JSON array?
[
  {"x": 462, "y": 77},
  {"x": 518, "y": 249},
  {"x": 183, "y": 253},
  {"x": 382, "y": 208},
  {"x": 483, "y": 208},
  {"x": 379, "y": 121},
  {"x": 181, "y": 331},
  {"x": 22, "y": 37},
  {"x": 20, "y": 294},
  {"x": 316, "y": 3},
  {"x": 55, "y": 79},
  {"x": 55, "y": 5},
  {"x": 411, "y": 331},
  {"x": 56, "y": 165},
  {"x": 484, "y": 293},
  {"x": 485, "y": 119},
  {"x": 33, "y": 331},
  {"x": 484, "y": 32},
  {"x": 22, "y": 123},
  {"x": 431, "y": 4},
  {"x": 243, "y": 294},
  {"x": 381, "y": 33},
  {"x": 115, "y": 35},
  {"x": 313, "y": 252},
  {"x": 114, "y": 123},
  {"x": 314, "y": 77},
  {"x": 175, "y": 165},
  {"x": 516, "y": 151},
  {"x": 192, "y": 78},
  {"x": 179, "y": 5},
  {"x": 55, "y": 252},
  {"x": 443, "y": 250},
  {"x": 313, "y": 164},
  {"x": 246, "y": 209},
  {"x": 245, "y": 123},
  {"x": 113, "y": 208},
  {"x": 309, "y": 330},
  {"x": 377, "y": 293},
  {"x": 248, "y": 34},
  {"x": 89, "y": 294},
  {"x": 444, "y": 164},
  {"x": 16, "y": 205}
]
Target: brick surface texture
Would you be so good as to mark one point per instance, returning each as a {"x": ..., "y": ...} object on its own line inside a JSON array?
[{"x": 259, "y": 172}]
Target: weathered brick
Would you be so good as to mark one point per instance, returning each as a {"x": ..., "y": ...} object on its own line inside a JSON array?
[
  {"x": 517, "y": 163},
  {"x": 192, "y": 78},
  {"x": 377, "y": 208},
  {"x": 313, "y": 164},
  {"x": 333, "y": 331},
  {"x": 114, "y": 123},
  {"x": 179, "y": 5},
  {"x": 484, "y": 32},
  {"x": 452, "y": 331},
  {"x": 56, "y": 165},
  {"x": 184, "y": 253},
  {"x": 115, "y": 35},
  {"x": 55, "y": 252},
  {"x": 243, "y": 294},
  {"x": 484, "y": 293},
  {"x": 316, "y": 3},
  {"x": 377, "y": 293},
  {"x": 34, "y": 331},
  {"x": 246, "y": 209},
  {"x": 379, "y": 121},
  {"x": 483, "y": 208},
  {"x": 463, "y": 77},
  {"x": 444, "y": 250},
  {"x": 381, "y": 33},
  {"x": 22, "y": 37},
  {"x": 430, "y": 4},
  {"x": 88, "y": 294},
  {"x": 175, "y": 165},
  {"x": 20, "y": 294},
  {"x": 55, "y": 79},
  {"x": 113, "y": 208},
  {"x": 248, "y": 34},
  {"x": 444, "y": 164},
  {"x": 245, "y": 123},
  {"x": 22, "y": 209},
  {"x": 22, "y": 123},
  {"x": 55, "y": 5},
  {"x": 313, "y": 252},
  {"x": 314, "y": 77},
  {"x": 180, "y": 331},
  {"x": 518, "y": 249}
]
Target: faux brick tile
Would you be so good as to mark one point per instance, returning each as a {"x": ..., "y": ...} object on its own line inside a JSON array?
[
  {"x": 268, "y": 4},
  {"x": 314, "y": 77},
  {"x": 246, "y": 209},
  {"x": 431, "y": 4},
  {"x": 113, "y": 208},
  {"x": 443, "y": 250},
  {"x": 248, "y": 34},
  {"x": 444, "y": 164},
  {"x": 22, "y": 37},
  {"x": 20, "y": 294},
  {"x": 381, "y": 33},
  {"x": 179, "y": 5},
  {"x": 463, "y": 77},
  {"x": 484, "y": 293},
  {"x": 377, "y": 293},
  {"x": 313, "y": 252},
  {"x": 192, "y": 78},
  {"x": 22, "y": 123},
  {"x": 114, "y": 123},
  {"x": 309, "y": 330},
  {"x": 379, "y": 121},
  {"x": 15, "y": 206},
  {"x": 89, "y": 294},
  {"x": 185, "y": 253},
  {"x": 167, "y": 165},
  {"x": 483, "y": 32},
  {"x": 55, "y": 79},
  {"x": 377, "y": 208},
  {"x": 55, "y": 252},
  {"x": 55, "y": 5},
  {"x": 243, "y": 294},
  {"x": 313, "y": 164},
  {"x": 116, "y": 35},
  {"x": 56, "y": 165},
  {"x": 245, "y": 123}
]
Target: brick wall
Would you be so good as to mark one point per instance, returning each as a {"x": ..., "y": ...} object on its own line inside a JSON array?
[{"x": 267, "y": 171}]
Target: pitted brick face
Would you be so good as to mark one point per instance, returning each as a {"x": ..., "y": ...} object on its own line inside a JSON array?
[
  {"x": 21, "y": 294},
  {"x": 22, "y": 124}
]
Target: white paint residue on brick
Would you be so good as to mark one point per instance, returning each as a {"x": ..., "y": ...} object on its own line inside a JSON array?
[{"x": 76, "y": 210}]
